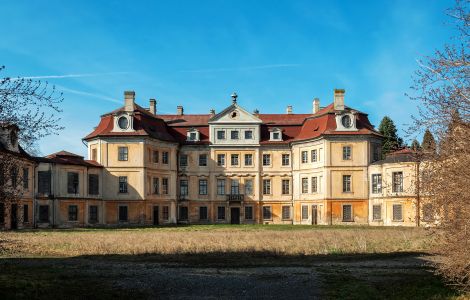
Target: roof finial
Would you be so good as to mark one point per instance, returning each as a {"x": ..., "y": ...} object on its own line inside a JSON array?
[{"x": 234, "y": 98}]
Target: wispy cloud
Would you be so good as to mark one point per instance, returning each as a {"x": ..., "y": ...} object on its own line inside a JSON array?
[
  {"x": 82, "y": 93},
  {"x": 67, "y": 76},
  {"x": 247, "y": 68}
]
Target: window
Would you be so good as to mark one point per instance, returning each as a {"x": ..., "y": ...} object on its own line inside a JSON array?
[
  {"x": 313, "y": 155},
  {"x": 184, "y": 187},
  {"x": 376, "y": 183},
  {"x": 346, "y": 121},
  {"x": 72, "y": 183},
  {"x": 14, "y": 176},
  {"x": 347, "y": 213},
  {"x": 234, "y": 159},
  {"x": 304, "y": 157},
  {"x": 203, "y": 160},
  {"x": 346, "y": 152},
  {"x": 267, "y": 214},
  {"x": 156, "y": 156},
  {"x": 220, "y": 186},
  {"x": 94, "y": 154},
  {"x": 304, "y": 185},
  {"x": 221, "y": 160},
  {"x": 2, "y": 213},
  {"x": 235, "y": 187},
  {"x": 248, "y": 135},
  {"x": 397, "y": 212},
  {"x": 183, "y": 213},
  {"x": 220, "y": 135},
  {"x": 166, "y": 213},
  {"x": 285, "y": 186},
  {"x": 183, "y": 160},
  {"x": 234, "y": 134},
  {"x": 164, "y": 157},
  {"x": 248, "y": 212},
  {"x": 397, "y": 182},
  {"x": 248, "y": 187},
  {"x": 203, "y": 213},
  {"x": 276, "y": 135},
  {"x": 93, "y": 184},
  {"x": 122, "y": 184},
  {"x": 192, "y": 136},
  {"x": 376, "y": 152},
  {"x": 221, "y": 213},
  {"x": 123, "y": 214},
  {"x": 25, "y": 178},
  {"x": 248, "y": 159},
  {"x": 286, "y": 212},
  {"x": 123, "y": 122},
  {"x": 285, "y": 159},
  {"x": 44, "y": 213},
  {"x": 304, "y": 212},
  {"x": 165, "y": 186},
  {"x": 376, "y": 212},
  {"x": 44, "y": 182},
  {"x": 25, "y": 213},
  {"x": 314, "y": 184},
  {"x": 73, "y": 213},
  {"x": 202, "y": 187},
  {"x": 266, "y": 159},
  {"x": 93, "y": 214},
  {"x": 266, "y": 186},
  {"x": 156, "y": 185},
  {"x": 123, "y": 153},
  {"x": 346, "y": 183}
]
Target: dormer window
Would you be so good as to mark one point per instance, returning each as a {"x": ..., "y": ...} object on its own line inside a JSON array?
[
  {"x": 193, "y": 135},
  {"x": 123, "y": 122},
  {"x": 275, "y": 134},
  {"x": 346, "y": 121}
]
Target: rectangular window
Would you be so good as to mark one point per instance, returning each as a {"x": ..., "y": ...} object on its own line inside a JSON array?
[
  {"x": 346, "y": 152},
  {"x": 183, "y": 213},
  {"x": 267, "y": 214},
  {"x": 248, "y": 212},
  {"x": 183, "y": 160},
  {"x": 221, "y": 160},
  {"x": 166, "y": 213},
  {"x": 123, "y": 153},
  {"x": 165, "y": 158},
  {"x": 25, "y": 178},
  {"x": 376, "y": 152},
  {"x": 203, "y": 160},
  {"x": 44, "y": 182},
  {"x": 235, "y": 187},
  {"x": 276, "y": 135},
  {"x": 266, "y": 159},
  {"x": 221, "y": 213},
  {"x": 123, "y": 216},
  {"x": 122, "y": 184},
  {"x": 266, "y": 186},
  {"x": 397, "y": 182},
  {"x": 93, "y": 214},
  {"x": 248, "y": 159},
  {"x": 304, "y": 212},
  {"x": 286, "y": 212},
  {"x": 72, "y": 183},
  {"x": 234, "y": 160},
  {"x": 94, "y": 154},
  {"x": 304, "y": 185},
  {"x": 285, "y": 186},
  {"x": 346, "y": 183},
  {"x": 376, "y": 183},
  {"x": 313, "y": 155},
  {"x": 156, "y": 185},
  {"x": 376, "y": 212},
  {"x": 397, "y": 212},
  {"x": 73, "y": 213},
  {"x": 183, "y": 187},
  {"x": 203, "y": 213},
  {"x": 165, "y": 186},
  {"x": 44, "y": 213},
  {"x": 14, "y": 176},
  {"x": 156, "y": 157},
  {"x": 304, "y": 157},
  {"x": 314, "y": 184},
  {"x": 285, "y": 160},
  {"x": 234, "y": 134},
  {"x": 220, "y": 186},
  {"x": 202, "y": 187},
  {"x": 248, "y": 187},
  {"x": 220, "y": 135},
  {"x": 25, "y": 213},
  {"x": 93, "y": 184},
  {"x": 2, "y": 213},
  {"x": 248, "y": 135},
  {"x": 347, "y": 213}
]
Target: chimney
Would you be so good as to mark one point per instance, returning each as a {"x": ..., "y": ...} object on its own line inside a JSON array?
[
  {"x": 256, "y": 111},
  {"x": 129, "y": 99},
  {"x": 212, "y": 112},
  {"x": 153, "y": 106},
  {"x": 316, "y": 105},
  {"x": 339, "y": 99},
  {"x": 289, "y": 109},
  {"x": 179, "y": 110}
]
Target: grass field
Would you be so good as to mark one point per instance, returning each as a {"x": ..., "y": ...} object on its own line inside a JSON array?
[{"x": 218, "y": 261}]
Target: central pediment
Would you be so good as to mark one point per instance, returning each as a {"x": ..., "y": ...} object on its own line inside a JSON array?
[{"x": 234, "y": 114}]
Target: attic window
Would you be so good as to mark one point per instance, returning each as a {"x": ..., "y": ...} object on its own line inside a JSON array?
[
  {"x": 123, "y": 122},
  {"x": 275, "y": 134},
  {"x": 234, "y": 115},
  {"x": 192, "y": 135}
]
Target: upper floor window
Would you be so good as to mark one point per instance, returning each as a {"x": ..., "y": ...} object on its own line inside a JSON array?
[
  {"x": 94, "y": 154},
  {"x": 266, "y": 186},
  {"x": 276, "y": 134},
  {"x": 314, "y": 156},
  {"x": 376, "y": 152},
  {"x": 183, "y": 160},
  {"x": 93, "y": 184},
  {"x": 25, "y": 178},
  {"x": 165, "y": 157},
  {"x": 248, "y": 134},
  {"x": 346, "y": 152},
  {"x": 346, "y": 121},
  {"x": 44, "y": 182},
  {"x": 184, "y": 187},
  {"x": 397, "y": 182},
  {"x": 165, "y": 186},
  {"x": 220, "y": 134},
  {"x": 234, "y": 160},
  {"x": 285, "y": 159},
  {"x": 266, "y": 159},
  {"x": 202, "y": 186},
  {"x": 304, "y": 157},
  {"x": 285, "y": 186},
  {"x": 155, "y": 156},
  {"x": 220, "y": 160},
  {"x": 72, "y": 183},
  {"x": 220, "y": 186},
  {"x": 304, "y": 185},
  {"x": 314, "y": 184},
  {"x": 235, "y": 187},
  {"x": 376, "y": 183},
  {"x": 248, "y": 186},
  {"x": 122, "y": 184},
  {"x": 156, "y": 185},
  {"x": 248, "y": 159},
  {"x": 123, "y": 153},
  {"x": 346, "y": 183},
  {"x": 123, "y": 122},
  {"x": 234, "y": 134},
  {"x": 192, "y": 135},
  {"x": 202, "y": 160}
]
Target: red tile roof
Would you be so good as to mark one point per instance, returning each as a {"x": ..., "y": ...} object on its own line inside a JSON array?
[{"x": 68, "y": 158}]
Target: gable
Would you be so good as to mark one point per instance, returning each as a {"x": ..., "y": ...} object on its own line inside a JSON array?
[{"x": 234, "y": 114}]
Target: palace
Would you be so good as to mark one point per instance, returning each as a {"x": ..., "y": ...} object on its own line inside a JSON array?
[{"x": 144, "y": 168}]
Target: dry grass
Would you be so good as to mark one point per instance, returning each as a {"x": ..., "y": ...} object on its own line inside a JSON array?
[{"x": 289, "y": 240}]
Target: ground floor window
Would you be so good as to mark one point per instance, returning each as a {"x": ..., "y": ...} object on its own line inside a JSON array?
[
  {"x": 304, "y": 212},
  {"x": 44, "y": 213},
  {"x": 25, "y": 213},
  {"x": 183, "y": 213},
  {"x": 377, "y": 212},
  {"x": 267, "y": 213},
  {"x": 73, "y": 213},
  {"x": 221, "y": 213},
  {"x": 165, "y": 213},
  {"x": 347, "y": 213},
  {"x": 203, "y": 213},
  {"x": 397, "y": 212},
  {"x": 123, "y": 214},
  {"x": 2, "y": 213},
  {"x": 93, "y": 214},
  {"x": 248, "y": 212},
  {"x": 286, "y": 212}
]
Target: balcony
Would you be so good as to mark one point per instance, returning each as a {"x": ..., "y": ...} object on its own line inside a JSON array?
[{"x": 235, "y": 197}]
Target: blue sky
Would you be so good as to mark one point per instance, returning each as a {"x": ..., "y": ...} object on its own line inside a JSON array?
[{"x": 196, "y": 53}]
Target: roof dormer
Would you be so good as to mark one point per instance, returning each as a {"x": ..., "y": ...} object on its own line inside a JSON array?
[
  {"x": 275, "y": 134},
  {"x": 346, "y": 121},
  {"x": 192, "y": 135},
  {"x": 124, "y": 119}
]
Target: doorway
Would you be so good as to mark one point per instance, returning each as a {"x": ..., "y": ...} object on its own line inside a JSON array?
[
  {"x": 235, "y": 215},
  {"x": 314, "y": 214},
  {"x": 155, "y": 215},
  {"x": 14, "y": 216}
]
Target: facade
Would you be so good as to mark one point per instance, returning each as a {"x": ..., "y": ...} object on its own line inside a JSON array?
[{"x": 145, "y": 168}]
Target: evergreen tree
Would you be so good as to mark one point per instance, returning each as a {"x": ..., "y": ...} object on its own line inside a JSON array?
[
  {"x": 415, "y": 145},
  {"x": 391, "y": 141},
  {"x": 429, "y": 143}
]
